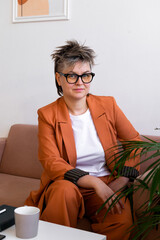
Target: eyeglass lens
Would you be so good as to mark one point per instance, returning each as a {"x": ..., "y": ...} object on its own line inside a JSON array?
[{"x": 86, "y": 78}]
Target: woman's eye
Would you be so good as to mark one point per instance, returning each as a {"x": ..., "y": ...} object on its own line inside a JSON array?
[
  {"x": 72, "y": 76},
  {"x": 86, "y": 75}
]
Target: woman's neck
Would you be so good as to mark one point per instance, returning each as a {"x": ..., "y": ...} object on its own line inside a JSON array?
[{"x": 76, "y": 107}]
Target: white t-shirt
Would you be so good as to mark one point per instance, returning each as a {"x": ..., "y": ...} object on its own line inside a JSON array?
[{"x": 90, "y": 153}]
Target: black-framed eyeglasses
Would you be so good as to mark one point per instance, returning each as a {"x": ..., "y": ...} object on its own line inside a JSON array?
[{"x": 73, "y": 77}]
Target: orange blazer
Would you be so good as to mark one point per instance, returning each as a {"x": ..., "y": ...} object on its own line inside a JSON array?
[{"x": 57, "y": 151}]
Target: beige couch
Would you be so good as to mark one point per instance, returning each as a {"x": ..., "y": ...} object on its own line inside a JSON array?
[{"x": 20, "y": 169}]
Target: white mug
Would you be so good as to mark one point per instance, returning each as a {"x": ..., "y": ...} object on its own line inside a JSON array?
[{"x": 26, "y": 221}]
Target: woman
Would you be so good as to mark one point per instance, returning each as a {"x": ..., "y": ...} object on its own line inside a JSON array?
[{"x": 75, "y": 133}]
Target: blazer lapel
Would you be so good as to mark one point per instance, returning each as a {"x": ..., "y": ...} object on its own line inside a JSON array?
[
  {"x": 102, "y": 127},
  {"x": 101, "y": 124},
  {"x": 67, "y": 132}
]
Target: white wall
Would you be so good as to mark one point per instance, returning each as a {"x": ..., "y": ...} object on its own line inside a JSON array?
[{"x": 126, "y": 37}]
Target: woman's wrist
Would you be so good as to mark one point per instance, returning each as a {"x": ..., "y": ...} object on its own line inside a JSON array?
[{"x": 88, "y": 181}]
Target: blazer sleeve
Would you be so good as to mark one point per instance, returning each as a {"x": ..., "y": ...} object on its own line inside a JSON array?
[
  {"x": 126, "y": 132},
  {"x": 48, "y": 151}
]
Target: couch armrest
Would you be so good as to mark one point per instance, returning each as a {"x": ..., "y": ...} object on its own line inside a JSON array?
[
  {"x": 2, "y": 146},
  {"x": 146, "y": 164}
]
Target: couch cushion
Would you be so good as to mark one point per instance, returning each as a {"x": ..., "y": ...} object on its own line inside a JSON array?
[
  {"x": 20, "y": 155},
  {"x": 14, "y": 190}
]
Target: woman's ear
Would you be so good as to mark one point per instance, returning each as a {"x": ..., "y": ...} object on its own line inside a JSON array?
[{"x": 58, "y": 78}]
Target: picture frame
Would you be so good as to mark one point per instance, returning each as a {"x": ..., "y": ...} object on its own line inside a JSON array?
[{"x": 45, "y": 10}]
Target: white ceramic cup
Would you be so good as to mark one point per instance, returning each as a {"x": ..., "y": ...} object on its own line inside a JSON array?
[{"x": 26, "y": 221}]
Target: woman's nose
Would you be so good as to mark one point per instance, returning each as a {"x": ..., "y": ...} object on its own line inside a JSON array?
[{"x": 79, "y": 81}]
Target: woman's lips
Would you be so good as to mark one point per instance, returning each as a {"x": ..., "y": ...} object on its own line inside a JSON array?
[{"x": 78, "y": 89}]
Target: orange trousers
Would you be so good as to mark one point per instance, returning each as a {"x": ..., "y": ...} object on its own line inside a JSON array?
[{"x": 64, "y": 201}]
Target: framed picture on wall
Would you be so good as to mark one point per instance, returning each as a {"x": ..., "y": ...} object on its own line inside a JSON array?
[{"x": 39, "y": 10}]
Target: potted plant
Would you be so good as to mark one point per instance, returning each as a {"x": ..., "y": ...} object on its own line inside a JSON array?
[{"x": 150, "y": 209}]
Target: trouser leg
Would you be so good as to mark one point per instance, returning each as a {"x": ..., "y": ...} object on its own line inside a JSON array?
[
  {"x": 115, "y": 226},
  {"x": 64, "y": 203}
]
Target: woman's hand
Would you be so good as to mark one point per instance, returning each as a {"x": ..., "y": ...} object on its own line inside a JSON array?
[
  {"x": 105, "y": 192},
  {"x": 102, "y": 190}
]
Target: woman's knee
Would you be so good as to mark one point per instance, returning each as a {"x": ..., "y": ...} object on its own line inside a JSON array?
[
  {"x": 64, "y": 189},
  {"x": 63, "y": 202}
]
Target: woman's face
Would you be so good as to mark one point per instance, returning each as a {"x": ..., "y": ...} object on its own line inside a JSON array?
[{"x": 78, "y": 90}]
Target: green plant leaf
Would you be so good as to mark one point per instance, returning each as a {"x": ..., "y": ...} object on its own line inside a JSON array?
[
  {"x": 150, "y": 213},
  {"x": 155, "y": 184}
]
